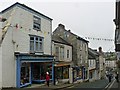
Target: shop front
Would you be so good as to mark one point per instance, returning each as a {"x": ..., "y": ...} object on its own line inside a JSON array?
[
  {"x": 62, "y": 71},
  {"x": 77, "y": 73},
  {"x": 32, "y": 69},
  {"x": 39, "y": 70}
]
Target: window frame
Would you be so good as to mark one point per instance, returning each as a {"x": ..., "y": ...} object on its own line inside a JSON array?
[
  {"x": 35, "y": 42},
  {"x": 36, "y": 23},
  {"x": 68, "y": 55}
]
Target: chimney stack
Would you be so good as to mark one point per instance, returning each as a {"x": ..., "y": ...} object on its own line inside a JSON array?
[
  {"x": 69, "y": 30},
  {"x": 61, "y": 26},
  {"x": 100, "y": 49}
]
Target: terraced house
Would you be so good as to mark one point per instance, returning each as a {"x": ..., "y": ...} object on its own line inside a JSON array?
[
  {"x": 79, "y": 52},
  {"x": 25, "y": 46},
  {"x": 62, "y": 51}
]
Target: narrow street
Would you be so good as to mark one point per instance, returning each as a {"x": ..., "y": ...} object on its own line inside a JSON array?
[
  {"x": 113, "y": 85},
  {"x": 99, "y": 84}
]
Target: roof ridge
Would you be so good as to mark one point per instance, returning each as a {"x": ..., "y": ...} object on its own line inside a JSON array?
[{"x": 25, "y": 6}]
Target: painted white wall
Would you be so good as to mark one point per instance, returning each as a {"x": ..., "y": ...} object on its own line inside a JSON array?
[
  {"x": 0, "y": 67},
  {"x": 25, "y": 20},
  {"x": 18, "y": 40},
  {"x": 8, "y": 61},
  {"x": 0, "y": 55},
  {"x": 111, "y": 64}
]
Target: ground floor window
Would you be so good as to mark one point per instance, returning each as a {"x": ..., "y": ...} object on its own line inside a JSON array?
[
  {"x": 74, "y": 74},
  {"x": 58, "y": 72},
  {"x": 62, "y": 72},
  {"x": 86, "y": 74},
  {"x": 25, "y": 73},
  {"x": 39, "y": 70},
  {"x": 65, "y": 72},
  {"x": 77, "y": 73},
  {"x": 90, "y": 75},
  {"x": 80, "y": 74}
]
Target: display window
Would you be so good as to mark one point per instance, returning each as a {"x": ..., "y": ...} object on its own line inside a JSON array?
[
  {"x": 25, "y": 73},
  {"x": 58, "y": 71},
  {"x": 62, "y": 72},
  {"x": 65, "y": 72},
  {"x": 39, "y": 70}
]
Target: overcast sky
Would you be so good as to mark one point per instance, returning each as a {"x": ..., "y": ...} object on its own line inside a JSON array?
[{"x": 86, "y": 18}]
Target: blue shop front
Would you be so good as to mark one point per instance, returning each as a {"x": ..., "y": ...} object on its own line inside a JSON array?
[
  {"x": 31, "y": 68},
  {"x": 79, "y": 73}
]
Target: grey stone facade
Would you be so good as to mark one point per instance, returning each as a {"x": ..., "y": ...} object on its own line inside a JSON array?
[{"x": 80, "y": 45}]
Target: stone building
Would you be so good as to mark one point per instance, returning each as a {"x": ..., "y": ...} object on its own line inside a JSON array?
[{"x": 79, "y": 52}]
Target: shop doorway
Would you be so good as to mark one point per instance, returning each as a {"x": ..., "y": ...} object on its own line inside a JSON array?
[{"x": 39, "y": 71}]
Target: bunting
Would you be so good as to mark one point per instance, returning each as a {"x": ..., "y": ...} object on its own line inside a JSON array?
[{"x": 93, "y": 38}]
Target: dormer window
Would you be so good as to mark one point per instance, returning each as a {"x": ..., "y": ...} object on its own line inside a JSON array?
[{"x": 36, "y": 23}]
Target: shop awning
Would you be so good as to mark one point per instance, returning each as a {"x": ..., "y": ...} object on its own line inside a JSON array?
[{"x": 62, "y": 64}]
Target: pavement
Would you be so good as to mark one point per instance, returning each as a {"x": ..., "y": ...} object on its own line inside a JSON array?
[
  {"x": 51, "y": 87},
  {"x": 94, "y": 84}
]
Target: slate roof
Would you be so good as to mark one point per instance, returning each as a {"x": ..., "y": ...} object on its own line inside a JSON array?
[
  {"x": 92, "y": 54},
  {"x": 68, "y": 31},
  {"x": 58, "y": 39}
]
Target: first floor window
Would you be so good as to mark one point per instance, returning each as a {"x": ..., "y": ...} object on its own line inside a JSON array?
[
  {"x": 36, "y": 43},
  {"x": 67, "y": 53}
]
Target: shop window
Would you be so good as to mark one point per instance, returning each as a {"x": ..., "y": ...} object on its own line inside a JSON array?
[
  {"x": 90, "y": 76},
  {"x": 65, "y": 72},
  {"x": 58, "y": 71},
  {"x": 25, "y": 73},
  {"x": 39, "y": 70}
]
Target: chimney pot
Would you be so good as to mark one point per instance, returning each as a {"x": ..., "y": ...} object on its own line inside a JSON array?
[
  {"x": 100, "y": 49},
  {"x": 62, "y": 26}
]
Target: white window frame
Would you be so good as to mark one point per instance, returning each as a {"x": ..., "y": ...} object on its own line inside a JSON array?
[{"x": 37, "y": 40}]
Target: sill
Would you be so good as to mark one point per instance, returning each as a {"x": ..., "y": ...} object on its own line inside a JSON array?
[
  {"x": 36, "y": 29},
  {"x": 24, "y": 85},
  {"x": 36, "y": 52}
]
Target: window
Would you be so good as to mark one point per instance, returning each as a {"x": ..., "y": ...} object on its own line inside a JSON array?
[
  {"x": 61, "y": 53},
  {"x": 67, "y": 53},
  {"x": 36, "y": 43},
  {"x": 57, "y": 53},
  {"x": 39, "y": 70},
  {"x": 25, "y": 73},
  {"x": 36, "y": 23}
]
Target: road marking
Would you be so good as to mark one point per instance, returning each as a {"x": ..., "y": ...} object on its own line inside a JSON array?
[
  {"x": 107, "y": 86},
  {"x": 111, "y": 84}
]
